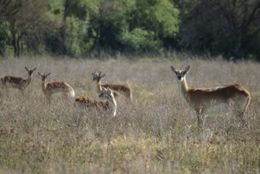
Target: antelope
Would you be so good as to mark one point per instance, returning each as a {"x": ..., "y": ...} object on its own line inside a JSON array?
[
  {"x": 200, "y": 99},
  {"x": 109, "y": 104},
  {"x": 123, "y": 89},
  {"x": 51, "y": 88},
  {"x": 17, "y": 82}
]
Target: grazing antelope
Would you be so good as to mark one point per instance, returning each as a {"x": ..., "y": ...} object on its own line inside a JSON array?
[
  {"x": 123, "y": 89},
  {"x": 51, "y": 88},
  {"x": 109, "y": 104},
  {"x": 200, "y": 99},
  {"x": 17, "y": 82}
]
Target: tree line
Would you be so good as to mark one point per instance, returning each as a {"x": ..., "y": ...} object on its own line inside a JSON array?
[{"x": 79, "y": 27}]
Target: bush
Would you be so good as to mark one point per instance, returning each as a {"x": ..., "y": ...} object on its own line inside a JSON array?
[
  {"x": 140, "y": 40},
  {"x": 4, "y": 38}
]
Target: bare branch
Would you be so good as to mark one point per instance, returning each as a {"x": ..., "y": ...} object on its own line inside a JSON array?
[{"x": 251, "y": 17}]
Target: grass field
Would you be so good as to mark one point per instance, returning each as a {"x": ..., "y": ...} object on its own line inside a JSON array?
[{"x": 157, "y": 133}]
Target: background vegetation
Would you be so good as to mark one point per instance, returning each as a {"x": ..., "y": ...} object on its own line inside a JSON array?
[
  {"x": 80, "y": 27},
  {"x": 157, "y": 133}
]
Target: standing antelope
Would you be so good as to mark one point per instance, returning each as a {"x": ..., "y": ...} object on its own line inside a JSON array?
[
  {"x": 109, "y": 104},
  {"x": 123, "y": 89},
  {"x": 55, "y": 87},
  {"x": 200, "y": 99},
  {"x": 17, "y": 82}
]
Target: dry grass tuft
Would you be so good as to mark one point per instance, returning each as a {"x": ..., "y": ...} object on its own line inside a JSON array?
[{"x": 157, "y": 133}]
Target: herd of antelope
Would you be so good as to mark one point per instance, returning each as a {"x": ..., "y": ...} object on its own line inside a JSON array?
[{"x": 199, "y": 99}]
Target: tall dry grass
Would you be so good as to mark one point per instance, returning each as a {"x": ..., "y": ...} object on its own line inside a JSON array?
[{"x": 157, "y": 133}]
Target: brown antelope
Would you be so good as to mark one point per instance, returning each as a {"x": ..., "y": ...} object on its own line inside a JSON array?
[
  {"x": 123, "y": 89},
  {"x": 51, "y": 88},
  {"x": 109, "y": 104},
  {"x": 200, "y": 99},
  {"x": 17, "y": 82}
]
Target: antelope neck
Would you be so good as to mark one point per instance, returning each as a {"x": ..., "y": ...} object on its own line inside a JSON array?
[
  {"x": 99, "y": 86},
  {"x": 184, "y": 87},
  {"x": 112, "y": 101},
  {"x": 28, "y": 80},
  {"x": 43, "y": 85}
]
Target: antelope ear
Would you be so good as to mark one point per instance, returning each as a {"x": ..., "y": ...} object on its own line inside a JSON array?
[
  {"x": 103, "y": 75},
  {"x": 173, "y": 69},
  {"x": 34, "y": 68},
  {"x": 48, "y": 74},
  {"x": 26, "y": 68},
  {"x": 187, "y": 68},
  {"x": 102, "y": 90}
]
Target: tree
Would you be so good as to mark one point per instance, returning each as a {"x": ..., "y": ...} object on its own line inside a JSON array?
[
  {"x": 8, "y": 8},
  {"x": 243, "y": 19},
  {"x": 160, "y": 18},
  {"x": 108, "y": 23},
  {"x": 221, "y": 26},
  {"x": 23, "y": 17},
  {"x": 134, "y": 25},
  {"x": 4, "y": 38},
  {"x": 71, "y": 19}
]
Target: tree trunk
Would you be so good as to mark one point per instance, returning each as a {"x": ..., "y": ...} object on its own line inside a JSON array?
[
  {"x": 238, "y": 50},
  {"x": 15, "y": 43},
  {"x": 63, "y": 27},
  {"x": 2, "y": 52},
  {"x": 62, "y": 40}
]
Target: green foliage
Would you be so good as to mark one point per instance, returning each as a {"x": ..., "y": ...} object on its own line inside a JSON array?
[
  {"x": 166, "y": 15},
  {"x": 83, "y": 25},
  {"x": 161, "y": 17},
  {"x": 75, "y": 33},
  {"x": 140, "y": 40},
  {"x": 70, "y": 34},
  {"x": 4, "y": 38},
  {"x": 77, "y": 27},
  {"x": 109, "y": 23},
  {"x": 120, "y": 23}
]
